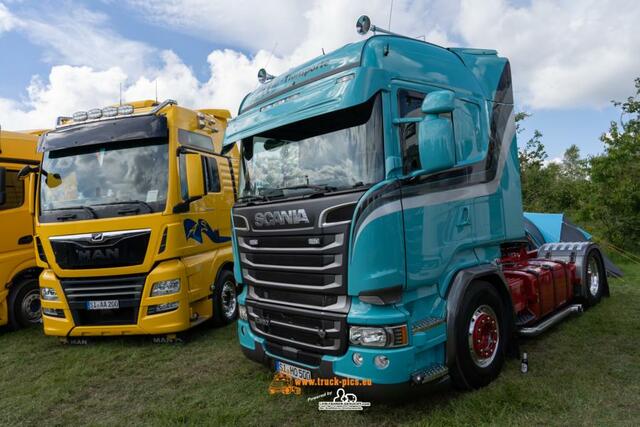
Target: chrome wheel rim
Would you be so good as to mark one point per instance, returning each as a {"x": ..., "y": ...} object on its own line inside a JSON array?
[
  {"x": 31, "y": 306},
  {"x": 229, "y": 299},
  {"x": 483, "y": 336},
  {"x": 593, "y": 276}
]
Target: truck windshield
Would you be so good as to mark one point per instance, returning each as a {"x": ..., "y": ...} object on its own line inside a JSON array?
[
  {"x": 331, "y": 152},
  {"x": 105, "y": 180}
]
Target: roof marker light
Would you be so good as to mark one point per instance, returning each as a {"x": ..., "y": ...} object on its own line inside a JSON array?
[
  {"x": 109, "y": 111},
  {"x": 94, "y": 113},
  {"x": 80, "y": 116},
  {"x": 125, "y": 109}
]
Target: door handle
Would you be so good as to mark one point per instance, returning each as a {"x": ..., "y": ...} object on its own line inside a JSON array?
[
  {"x": 25, "y": 240},
  {"x": 464, "y": 217}
]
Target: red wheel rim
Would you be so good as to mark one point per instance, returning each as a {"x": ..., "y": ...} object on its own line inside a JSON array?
[{"x": 484, "y": 336}]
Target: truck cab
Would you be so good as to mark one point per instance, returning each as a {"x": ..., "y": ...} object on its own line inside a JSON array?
[
  {"x": 19, "y": 295},
  {"x": 379, "y": 189},
  {"x": 133, "y": 227}
]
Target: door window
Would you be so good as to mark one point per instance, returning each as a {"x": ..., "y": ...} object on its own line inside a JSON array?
[{"x": 15, "y": 191}]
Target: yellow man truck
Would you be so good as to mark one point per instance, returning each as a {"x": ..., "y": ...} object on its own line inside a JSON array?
[
  {"x": 133, "y": 228},
  {"x": 19, "y": 302}
]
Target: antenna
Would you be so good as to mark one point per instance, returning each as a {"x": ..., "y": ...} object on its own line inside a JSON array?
[
  {"x": 275, "y": 45},
  {"x": 0, "y": 139},
  {"x": 390, "y": 12},
  {"x": 323, "y": 51},
  {"x": 120, "y": 93},
  {"x": 156, "y": 90},
  {"x": 363, "y": 26}
]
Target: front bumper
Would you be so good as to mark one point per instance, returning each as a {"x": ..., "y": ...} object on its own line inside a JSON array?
[
  {"x": 391, "y": 383},
  {"x": 169, "y": 322}
]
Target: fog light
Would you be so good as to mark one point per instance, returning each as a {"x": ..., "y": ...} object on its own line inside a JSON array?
[
  {"x": 163, "y": 308},
  {"x": 242, "y": 312},
  {"x": 49, "y": 294},
  {"x": 165, "y": 287},
  {"x": 381, "y": 361},
  {"x": 357, "y": 359},
  {"x": 53, "y": 312}
]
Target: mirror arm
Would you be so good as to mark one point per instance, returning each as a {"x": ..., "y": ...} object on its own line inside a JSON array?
[
  {"x": 407, "y": 120},
  {"x": 183, "y": 207}
]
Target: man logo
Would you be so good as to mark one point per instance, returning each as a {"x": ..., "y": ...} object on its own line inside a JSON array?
[
  {"x": 97, "y": 237},
  {"x": 290, "y": 217}
]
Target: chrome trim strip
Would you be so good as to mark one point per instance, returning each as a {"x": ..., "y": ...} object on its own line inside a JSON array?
[
  {"x": 323, "y": 215},
  {"x": 336, "y": 284},
  {"x": 246, "y": 221},
  {"x": 336, "y": 263},
  {"x": 105, "y": 234},
  {"x": 340, "y": 306},
  {"x": 338, "y": 242}
]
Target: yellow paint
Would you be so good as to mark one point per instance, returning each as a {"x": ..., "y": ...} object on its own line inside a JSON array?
[
  {"x": 16, "y": 151},
  {"x": 196, "y": 264}
]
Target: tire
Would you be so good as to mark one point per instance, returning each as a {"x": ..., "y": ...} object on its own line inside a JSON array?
[
  {"x": 225, "y": 299},
  {"x": 24, "y": 304},
  {"x": 593, "y": 276},
  {"x": 481, "y": 334}
]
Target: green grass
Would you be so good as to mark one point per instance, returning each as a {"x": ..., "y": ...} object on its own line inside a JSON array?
[{"x": 585, "y": 371}]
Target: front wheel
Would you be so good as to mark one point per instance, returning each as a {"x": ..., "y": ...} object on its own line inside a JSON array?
[
  {"x": 24, "y": 304},
  {"x": 481, "y": 337},
  {"x": 225, "y": 299}
]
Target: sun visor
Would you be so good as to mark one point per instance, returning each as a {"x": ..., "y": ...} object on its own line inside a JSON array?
[{"x": 100, "y": 132}]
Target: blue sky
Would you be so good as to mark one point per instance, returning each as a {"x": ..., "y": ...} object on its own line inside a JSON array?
[{"x": 569, "y": 59}]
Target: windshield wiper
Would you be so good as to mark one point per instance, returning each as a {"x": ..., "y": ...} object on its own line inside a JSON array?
[
  {"x": 128, "y": 202},
  {"x": 252, "y": 198},
  {"x": 92, "y": 211}
]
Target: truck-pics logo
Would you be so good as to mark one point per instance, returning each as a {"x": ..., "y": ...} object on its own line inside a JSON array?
[
  {"x": 193, "y": 230},
  {"x": 291, "y": 217}
]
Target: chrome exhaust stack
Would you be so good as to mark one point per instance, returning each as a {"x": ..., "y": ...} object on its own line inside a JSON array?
[{"x": 533, "y": 331}]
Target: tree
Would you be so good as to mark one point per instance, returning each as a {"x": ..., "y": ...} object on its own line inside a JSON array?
[{"x": 616, "y": 178}]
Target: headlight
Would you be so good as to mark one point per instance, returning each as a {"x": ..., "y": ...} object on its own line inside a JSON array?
[
  {"x": 242, "y": 312},
  {"x": 49, "y": 294},
  {"x": 165, "y": 287},
  {"x": 379, "y": 336}
]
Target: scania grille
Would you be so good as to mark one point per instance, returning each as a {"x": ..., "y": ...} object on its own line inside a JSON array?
[
  {"x": 127, "y": 290},
  {"x": 306, "y": 330},
  {"x": 312, "y": 264},
  {"x": 101, "y": 250}
]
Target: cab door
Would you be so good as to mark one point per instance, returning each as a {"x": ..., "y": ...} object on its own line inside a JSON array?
[
  {"x": 16, "y": 225},
  {"x": 437, "y": 229}
]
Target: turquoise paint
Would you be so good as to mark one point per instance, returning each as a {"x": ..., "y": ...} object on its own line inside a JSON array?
[{"x": 418, "y": 243}]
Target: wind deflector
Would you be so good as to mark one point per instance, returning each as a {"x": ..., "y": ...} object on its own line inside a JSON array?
[{"x": 100, "y": 132}]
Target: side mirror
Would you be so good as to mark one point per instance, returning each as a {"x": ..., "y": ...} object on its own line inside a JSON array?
[
  {"x": 195, "y": 176},
  {"x": 435, "y": 135},
  {"x": 53, "y": 180},
  {"x": 3, "y": 186}
]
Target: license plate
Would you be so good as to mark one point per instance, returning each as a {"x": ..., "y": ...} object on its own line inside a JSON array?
[
  {"x": 103, "y": 305},
  {"x": 293, "y": 371}
]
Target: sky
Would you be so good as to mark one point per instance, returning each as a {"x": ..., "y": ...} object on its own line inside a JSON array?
[{"x": 569, "y": 59}]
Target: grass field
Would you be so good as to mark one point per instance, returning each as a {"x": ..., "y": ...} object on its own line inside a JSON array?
[{"x": 585, "y": 371}]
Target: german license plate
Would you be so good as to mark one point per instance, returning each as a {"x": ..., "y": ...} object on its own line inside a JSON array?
[
  {"x": 293, "y": 371},
  {"x": 103, "y": 305}
]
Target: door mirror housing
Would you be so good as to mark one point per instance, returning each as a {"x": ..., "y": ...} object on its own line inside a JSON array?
[
  {"x": 435, "y": 134},
  {"x": 195, "y": 176},
  {"x": 3, "y": 186}
]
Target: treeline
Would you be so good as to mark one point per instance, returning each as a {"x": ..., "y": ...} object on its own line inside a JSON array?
[{"x": 600, "y": 193}]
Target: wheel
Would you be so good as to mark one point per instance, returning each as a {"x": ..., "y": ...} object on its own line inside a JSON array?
[
  {"x": 225, "y": 302},
  {"x": 24, "y": 304},
  {"x": 481, "y": 337},
  {"x": 594, "y": 278}
]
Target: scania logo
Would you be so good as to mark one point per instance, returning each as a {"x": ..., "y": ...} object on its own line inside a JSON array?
[
  {"x": 291, "y": 217},
  {"x": 97, "y": 237}
]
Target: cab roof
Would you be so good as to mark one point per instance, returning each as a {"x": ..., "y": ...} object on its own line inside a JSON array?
[{"x": 18, "y": 146}]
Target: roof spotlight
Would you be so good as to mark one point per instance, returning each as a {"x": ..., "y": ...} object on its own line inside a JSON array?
[{"x": 264, "y": 77}]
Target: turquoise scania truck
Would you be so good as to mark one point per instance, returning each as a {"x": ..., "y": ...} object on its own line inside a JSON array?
[{"x": 378, "y": 232}]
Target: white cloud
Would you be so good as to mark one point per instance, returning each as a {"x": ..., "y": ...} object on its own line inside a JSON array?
[
  {"x": 7, "y": 21},
  {"x": 82, "y": 37},
  {"x": 563, "y": 54}
]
